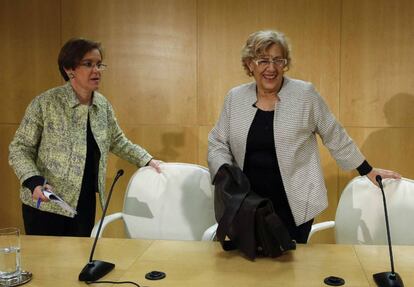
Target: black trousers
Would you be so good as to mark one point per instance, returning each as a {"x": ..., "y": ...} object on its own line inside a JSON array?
[
  {"x": 300, "y": 233},
  {"x": 37, "y": 222}
]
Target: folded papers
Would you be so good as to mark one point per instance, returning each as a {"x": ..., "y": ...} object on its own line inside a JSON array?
[{"x": 53, "y": 197}]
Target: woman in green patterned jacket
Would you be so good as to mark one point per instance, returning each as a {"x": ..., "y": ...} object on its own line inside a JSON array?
[{"x": 63, "y": 142}]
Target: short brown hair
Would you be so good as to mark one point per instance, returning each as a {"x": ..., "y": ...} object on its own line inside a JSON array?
[
  {"x": 258, "y": 42},
  {"x": 72, "y": 53}
]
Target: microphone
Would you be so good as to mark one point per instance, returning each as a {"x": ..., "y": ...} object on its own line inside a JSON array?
[
  {"x": 96, "y": 269},
  {"x": 387, "y": 279}
]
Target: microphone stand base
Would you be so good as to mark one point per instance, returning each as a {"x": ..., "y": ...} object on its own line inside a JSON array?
[
  {"x": 95, "y": 270},
  {"x": 388, "y": 279}
]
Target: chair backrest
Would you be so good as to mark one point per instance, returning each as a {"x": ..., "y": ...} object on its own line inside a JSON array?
[
  {"x": 360, "y": 217},
  {"x": 176, "y": 204}
]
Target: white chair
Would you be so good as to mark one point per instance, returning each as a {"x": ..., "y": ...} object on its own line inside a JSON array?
[
  {"x": 176, "y": 204},
  {"x": 360, "y": 215}
]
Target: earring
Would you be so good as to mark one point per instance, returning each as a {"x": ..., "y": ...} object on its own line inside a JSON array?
[{"x": 71, "y": 76}]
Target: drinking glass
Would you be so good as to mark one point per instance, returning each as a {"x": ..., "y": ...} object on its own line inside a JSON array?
[{"x": 9, "y": 253}]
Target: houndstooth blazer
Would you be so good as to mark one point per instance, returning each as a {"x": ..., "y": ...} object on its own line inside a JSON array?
[{"x": 300, "y": 114}]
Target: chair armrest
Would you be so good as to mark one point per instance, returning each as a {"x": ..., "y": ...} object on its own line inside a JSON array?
[
  {"x": 210, "y": 233},
  {"x": 108, "y": 219},
  {"x": 321, "y": 226}
]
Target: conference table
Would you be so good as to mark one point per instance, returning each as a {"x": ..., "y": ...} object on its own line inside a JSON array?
[{"x": 57, "y": 261}]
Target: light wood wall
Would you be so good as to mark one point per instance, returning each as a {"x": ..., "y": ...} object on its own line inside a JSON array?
[{"x": 171, "y": 63}]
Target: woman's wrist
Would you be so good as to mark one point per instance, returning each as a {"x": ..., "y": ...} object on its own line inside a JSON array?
[
  {"x": 364, "y": 168},
  {"x": 33, "y": 181}
]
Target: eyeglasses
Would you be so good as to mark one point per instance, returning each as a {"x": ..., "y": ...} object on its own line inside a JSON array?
[
  {"x": 90, "y": 65},
  {"x": 264, "y": 63}
]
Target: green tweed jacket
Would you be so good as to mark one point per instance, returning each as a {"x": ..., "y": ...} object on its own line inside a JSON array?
[{"x": 51, "y": 142}]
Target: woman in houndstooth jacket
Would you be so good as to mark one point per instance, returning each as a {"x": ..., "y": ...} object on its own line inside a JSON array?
[{"x": 268, "y": 128}]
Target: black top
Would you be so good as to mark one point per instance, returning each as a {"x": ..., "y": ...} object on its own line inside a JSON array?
[
  {"x": 93, "y": 155},
  {"x": 86, "y": 202},
  {"x": 261, "y": 166}
]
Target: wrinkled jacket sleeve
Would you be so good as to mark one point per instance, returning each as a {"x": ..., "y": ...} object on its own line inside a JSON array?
[
  {"x": 24, "y": 146},
  {"x": 219, "y": 151},
  {"x": 122, "y": 146}
]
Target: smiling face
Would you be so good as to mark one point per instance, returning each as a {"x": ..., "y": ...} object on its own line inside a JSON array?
[
  {"x": 269, "y": 78},
  {"x": 85, "y": 78}
]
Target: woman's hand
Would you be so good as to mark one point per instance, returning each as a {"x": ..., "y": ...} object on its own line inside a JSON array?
[
  {"x": 38, "y": 192},
  {"x": 155, "y": 164},
  {"x": 383, "y": 173}
]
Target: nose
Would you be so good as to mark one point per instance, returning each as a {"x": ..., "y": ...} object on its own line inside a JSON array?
[{"x": 272, "y": 66}]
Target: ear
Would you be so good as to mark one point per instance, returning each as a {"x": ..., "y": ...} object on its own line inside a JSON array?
[
  {"x": 70, "y": 73},
  {"x": 250, "y": 64}
]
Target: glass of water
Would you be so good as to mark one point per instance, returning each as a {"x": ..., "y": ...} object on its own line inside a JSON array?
[{"x": 9, "y": 254}]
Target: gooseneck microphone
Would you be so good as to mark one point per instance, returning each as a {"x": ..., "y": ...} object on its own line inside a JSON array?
[
  {"x": 387, "y": 279},
  {"x": 96, "y": 269}
]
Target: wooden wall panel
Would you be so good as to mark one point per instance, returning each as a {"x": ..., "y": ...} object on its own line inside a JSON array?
[
  {"x": 377, "y": 62},
  {"x": 150, "y": 47},
  {"x": 377, "y": 87},
  {"x": 10, "y": 212},
  {"x": 388, "y": 148},
  {"x": 29, "y": 33},
  {"x": 30, "y": 36}
]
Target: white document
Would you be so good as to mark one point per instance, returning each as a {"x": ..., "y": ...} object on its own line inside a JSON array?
[{"x": 56, "y": 199}]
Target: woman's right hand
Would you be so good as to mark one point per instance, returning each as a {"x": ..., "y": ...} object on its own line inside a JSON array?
[
  {"x": 154, "y": 163},
  {"x": 38, "y": 193}
]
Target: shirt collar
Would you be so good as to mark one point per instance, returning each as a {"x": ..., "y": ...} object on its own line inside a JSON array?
[
  {"x": 252, "y": 95},
  {"x": 73, "y": 100}
]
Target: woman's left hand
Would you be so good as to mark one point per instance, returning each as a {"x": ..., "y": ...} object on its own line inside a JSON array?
[
  {"x": 383, "y": 173},
  {"x": 154, "y": 163}
]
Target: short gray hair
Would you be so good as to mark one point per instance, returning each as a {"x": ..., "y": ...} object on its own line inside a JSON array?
[{"x": 258, "y": 42}]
